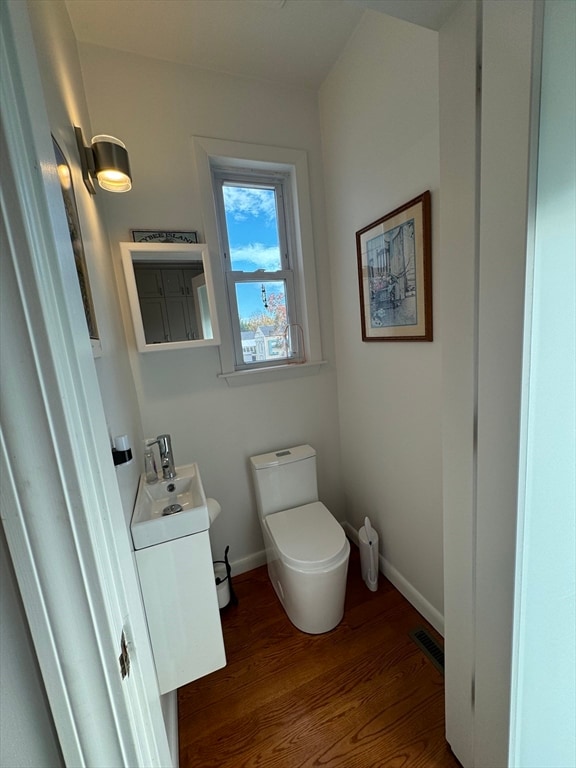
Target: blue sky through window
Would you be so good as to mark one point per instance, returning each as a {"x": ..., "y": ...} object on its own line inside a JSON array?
[
  {"x": 250, "y": 301},
  {"x": 252, "y": 228}
]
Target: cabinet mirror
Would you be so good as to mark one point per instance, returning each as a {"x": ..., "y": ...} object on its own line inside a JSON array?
[{"x": 171, "y": 295}]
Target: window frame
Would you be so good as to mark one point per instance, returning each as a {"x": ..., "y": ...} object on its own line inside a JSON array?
[{"x": 211, "y": 153}]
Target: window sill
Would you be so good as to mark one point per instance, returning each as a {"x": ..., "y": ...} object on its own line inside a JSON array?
[{"x": 275, "y": 373}]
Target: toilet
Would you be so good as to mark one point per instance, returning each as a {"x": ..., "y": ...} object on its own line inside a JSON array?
[{"x": 306, "y": 549}]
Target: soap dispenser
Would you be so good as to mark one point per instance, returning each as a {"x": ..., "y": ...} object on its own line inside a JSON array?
[{"x": 150, "y": 465}]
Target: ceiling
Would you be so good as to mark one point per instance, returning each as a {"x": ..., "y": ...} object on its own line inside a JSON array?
[{"x": 290, "y": 42}]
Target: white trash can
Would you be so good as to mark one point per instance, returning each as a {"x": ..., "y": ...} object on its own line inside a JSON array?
[{"x": 368, "y": 539}]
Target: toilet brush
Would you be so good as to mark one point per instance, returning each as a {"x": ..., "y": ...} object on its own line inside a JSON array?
[{"x": 369, "y": 542}]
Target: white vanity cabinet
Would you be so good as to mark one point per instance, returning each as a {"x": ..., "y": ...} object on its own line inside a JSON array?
[{"x": 179, "y": 593}]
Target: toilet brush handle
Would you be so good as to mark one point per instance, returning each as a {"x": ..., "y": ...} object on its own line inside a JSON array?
[{"x": 368, "y": 527}]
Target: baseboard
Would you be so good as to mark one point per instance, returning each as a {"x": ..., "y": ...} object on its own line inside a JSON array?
[
  {"x": 426, "y": 609},
  {"x": 248, "y": 563}
]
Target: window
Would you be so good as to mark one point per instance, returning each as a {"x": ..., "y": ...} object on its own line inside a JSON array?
[
  {"x": 255, "y": 228},
  {"x": 258, "y": 225}
]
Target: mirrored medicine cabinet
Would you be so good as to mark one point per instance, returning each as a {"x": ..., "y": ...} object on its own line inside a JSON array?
[{"x": 171, "y": 295}]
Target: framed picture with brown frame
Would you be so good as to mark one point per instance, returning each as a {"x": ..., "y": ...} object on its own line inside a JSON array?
[{"x": 395, "y": 274}]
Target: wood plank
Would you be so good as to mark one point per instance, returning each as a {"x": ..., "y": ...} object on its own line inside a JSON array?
[{"x": 361, "y": 696}]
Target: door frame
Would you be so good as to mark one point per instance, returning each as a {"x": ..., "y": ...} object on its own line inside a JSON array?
[{"x": 61, "y": 505}]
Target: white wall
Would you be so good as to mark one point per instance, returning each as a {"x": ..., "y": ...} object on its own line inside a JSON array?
[
  {"x": 156, "y": 107},
  {"x": 66, "y": 105},
  {"x": 544, "y": 693},
  {"x": 379, "y": 114}
]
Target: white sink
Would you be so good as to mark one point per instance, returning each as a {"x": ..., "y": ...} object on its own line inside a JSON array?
[{"x": 153, "y": 522}]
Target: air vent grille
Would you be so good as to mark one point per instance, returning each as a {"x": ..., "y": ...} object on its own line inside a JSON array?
[{"x": 429, "y": 647}]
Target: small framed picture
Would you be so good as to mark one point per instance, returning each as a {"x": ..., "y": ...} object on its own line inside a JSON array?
[
  {"x": 67, "y": 189},
  {"x": 155, "y": 236},
  {"x": 395, "y": 274}
]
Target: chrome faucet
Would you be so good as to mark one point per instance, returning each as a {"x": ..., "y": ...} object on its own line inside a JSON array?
[{"x": 166, "y": 456}]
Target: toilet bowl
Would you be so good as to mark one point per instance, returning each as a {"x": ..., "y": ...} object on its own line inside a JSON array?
[{"x": 306, "y": 549}]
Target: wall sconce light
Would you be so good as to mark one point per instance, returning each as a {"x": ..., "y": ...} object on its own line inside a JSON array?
[{"x": 106, "y": 160}]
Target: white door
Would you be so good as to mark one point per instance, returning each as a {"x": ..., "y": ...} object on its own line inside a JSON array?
[{"x": 61, "y": 507}]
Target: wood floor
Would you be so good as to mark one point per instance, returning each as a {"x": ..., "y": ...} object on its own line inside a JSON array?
[{"x": 361, "y": 696}]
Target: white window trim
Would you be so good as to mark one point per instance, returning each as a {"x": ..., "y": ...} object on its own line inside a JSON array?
[
  {"x": 234, "y": 154},
  {"x": 287, "y": 272}
]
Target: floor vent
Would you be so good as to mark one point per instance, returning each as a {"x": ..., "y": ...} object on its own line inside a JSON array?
[{"x": 429, "y": 647}]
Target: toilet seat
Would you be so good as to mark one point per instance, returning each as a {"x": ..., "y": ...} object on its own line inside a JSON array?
[{"x": 308, "y": 537}]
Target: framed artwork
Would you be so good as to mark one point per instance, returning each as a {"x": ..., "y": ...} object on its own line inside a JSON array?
[
  {"x": 76, "y": 237},
  {"x": 395, "y": 274},
  {"x": 154, "y": 236}
]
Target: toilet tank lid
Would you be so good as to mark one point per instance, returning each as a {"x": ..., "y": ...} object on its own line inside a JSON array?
[{"x": 283, "y": 456}]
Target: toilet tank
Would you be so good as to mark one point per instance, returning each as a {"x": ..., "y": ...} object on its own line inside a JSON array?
[{"x": 284, "y": 479}]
